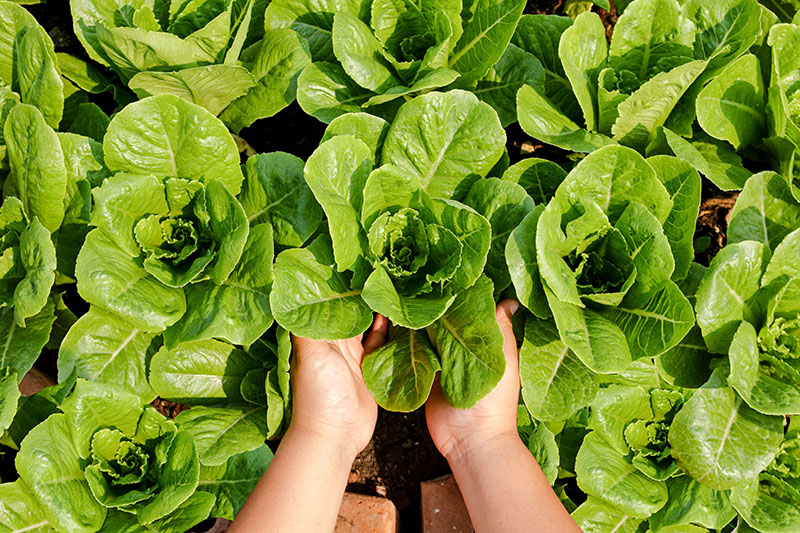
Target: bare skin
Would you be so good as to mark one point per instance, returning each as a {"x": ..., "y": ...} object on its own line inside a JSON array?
[{"x": 334, "y": 417}]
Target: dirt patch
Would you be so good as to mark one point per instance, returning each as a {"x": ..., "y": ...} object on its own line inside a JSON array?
[
  {"x": 711, "y": 230},
  {"x": 400, "y": 456},
  {"x": 167, "y": 408}
]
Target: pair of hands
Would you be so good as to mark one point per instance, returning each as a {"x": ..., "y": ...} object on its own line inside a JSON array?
[{"x": 332, "y": 402}]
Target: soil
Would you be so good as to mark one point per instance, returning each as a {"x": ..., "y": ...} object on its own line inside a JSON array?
[{"x": 712, "y": 222}]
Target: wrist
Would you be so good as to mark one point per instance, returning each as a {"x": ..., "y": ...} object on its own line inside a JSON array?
[
  {"x": 332, "y": 444},
  {"x": 460, "y": 451}
]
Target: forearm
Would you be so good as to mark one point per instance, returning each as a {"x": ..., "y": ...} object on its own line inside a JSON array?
[
  {"x": 505, "y": 490},
  {"x": 302, "y": 489}
]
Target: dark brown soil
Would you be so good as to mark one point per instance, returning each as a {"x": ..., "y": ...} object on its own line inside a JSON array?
[
  {"x": 712, "y": 222},
  {"x": 400, "y": 456}
]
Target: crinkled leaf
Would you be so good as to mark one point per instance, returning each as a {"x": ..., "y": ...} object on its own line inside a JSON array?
[
  {"x": 400, "y": 373},
  {"x": 692, "y": 502},
  {"x": 102, "y": 346},
  {"x": 222, "y": 432},
  {"x": 470, "y": 346},
  {"x": 233, "y": 481},
  {"x": 499, "y": 87},
  {"x": 720, "y": 441},
  {"x": 765, "y": 211},
  {"x": 167, "y": 136},
  {"x": 22, "y": 346},
  {"x": 448, "y": 140},
  {"x": 583, "y": 51}
]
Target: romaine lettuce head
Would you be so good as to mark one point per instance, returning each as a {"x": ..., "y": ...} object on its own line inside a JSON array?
[
  {"x": 771, "y": 502},
  {"x": 601, "y": 256},
  {"x": 110, "y": 453},
  {"x": 167, "y": 233},
  {"x": 748, "y": 306}
]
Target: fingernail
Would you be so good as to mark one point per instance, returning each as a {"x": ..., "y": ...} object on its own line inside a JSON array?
[{"x": 513, "y": 306}]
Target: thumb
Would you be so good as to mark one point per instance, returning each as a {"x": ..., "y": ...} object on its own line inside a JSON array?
[{"x": 503, "y": 313}]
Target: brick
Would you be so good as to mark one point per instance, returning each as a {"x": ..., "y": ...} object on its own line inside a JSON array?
[
  {"x": 366, "y": 514},
  {"x": 34, "y": 381},
  {"x": 443, "y": 507}
]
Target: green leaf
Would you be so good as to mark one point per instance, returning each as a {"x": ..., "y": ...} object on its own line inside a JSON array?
[
  {"x": 308, "y": 286},
  {"x": 724, "y": 296},
  {"x": 716, "y": 161},
  {"x": 651, "y": 31},
  {"x": 213, "y": 87},
  {"x": 311, "y": 19},
  {"x": 359, "y": 52},
  {"x": 504, "y": 204},
  {"x": 275, "y": 191},
  {"x": 28, "y": 63},
  {"x": 485, "y": 37},
  {"x": 724, "y": 29},
  {"x": 22, "y": 346},
  {"x": 199, "y": 372},
  {"x": 236, "y": 310},
  {"x": 448, "y": 140},
  {"x": 768, "y": 384},
  {"x": 9, "y": 396},
  {"x": 188, "y": 514},
  {"x": 470, "y": 346},
  {"x": 93, "y": 406},
  {"x": 523, "y": 267},
  {"x": 419, "y": 311},
  {"x": 104, "y": 347},
  {"x": 687, "y": 364},
  {"x": 692, "y": 502},
  {"x": 222, "y": 432},
  {"x": 38, "y": 175},
  {"x": 765, "y": 211},
  {"x": 336, "y": 172},
  {"x": 650, "y": 105},
  {"x": 684, "y": 185},
  {"x": 555, "y": 384},
  {"x": 784, "y": 262},
  {"x": 167, "y": 136},
  {"x": 50, "y": 464},
  {"x": 400, "y": 373},
  {"x": 19, "y": 510},
  {"x": 604, "y": 473},
  {"x": 231, "y": 483},
  {"x": 583, "y": 51},
  {"x": 275, "y": 69},
  {"x": 540, "y": 35},
  {"x": 731, "y": 106},
  {"x": 539, "y": 177},
  {"x": 540, "y": 119},
  {"x": 658, "y": 325},
  {"x": 110, "y": 278},
  {"x": 38, "y": 257},
  {"x": 720, "y": 441},
  {"x": 767, "y": 503},
  {"x": 369, "y": 129},
  {"x": 177, "y": 480},
  {"x": 325, "y": 91},
  {"x": 499, "y": 87},
  {"x": 597, "y": 516}
]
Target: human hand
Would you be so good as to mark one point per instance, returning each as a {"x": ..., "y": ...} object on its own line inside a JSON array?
[
  {"x": 330, "y": 398},
  {"x": 460, "y": 432}
]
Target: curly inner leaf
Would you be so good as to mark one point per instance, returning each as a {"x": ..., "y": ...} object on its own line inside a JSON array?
[{"x": 781, "y": 338}]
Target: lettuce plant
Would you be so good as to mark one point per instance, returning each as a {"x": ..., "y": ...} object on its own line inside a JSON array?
[
  {"x": 121, "y": 464},
  {"x": 371, "y": 58},
  {"x": 600, "y": 256},
  {"x": 748, "y": 308},
  {"x": 214, "y": 54},
  {"x": 653, "y": 80},
  {"x": 401, "y": 244}
]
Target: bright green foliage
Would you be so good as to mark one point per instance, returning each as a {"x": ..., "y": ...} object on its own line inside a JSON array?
[
  {"x": 600, "y": 255},
  {"x": 747, "y": 307},
  {"x": 215, "y": 54},
  {"x": 107, "y": 452},
  {"x": 368, "y": 59}
]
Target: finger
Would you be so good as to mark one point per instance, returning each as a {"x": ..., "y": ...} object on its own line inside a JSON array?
[
  {"x": 503, "y": 313},
  {"x": 377, "y": 335}
]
